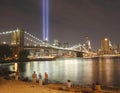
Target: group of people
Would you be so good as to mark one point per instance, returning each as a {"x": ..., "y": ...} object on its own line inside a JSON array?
[
  {"x": 68, "y": 84},
  {"x": 34, "y": 78}
]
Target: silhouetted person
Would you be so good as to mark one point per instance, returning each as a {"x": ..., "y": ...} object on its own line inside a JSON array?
[
  {"x": 17, "y": 75},
  {"x": 40, "y": 76},
  {"x": 68, "y": 84},
  {"x": 46, "y": 78},
  {"x": 93, "y": 86},
  {"x": 40, "y": 79},
  {"x": 34, "y": 77}
]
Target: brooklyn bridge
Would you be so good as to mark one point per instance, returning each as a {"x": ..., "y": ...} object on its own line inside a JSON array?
[{"x": 19, "y": 39}]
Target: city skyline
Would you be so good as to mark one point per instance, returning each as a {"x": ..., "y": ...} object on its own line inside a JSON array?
[{"x": 70, "y": 20}]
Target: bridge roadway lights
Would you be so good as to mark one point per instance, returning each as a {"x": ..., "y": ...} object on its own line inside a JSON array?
[{"x": 44, "y": 51}]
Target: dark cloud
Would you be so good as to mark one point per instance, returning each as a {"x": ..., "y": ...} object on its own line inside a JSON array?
[
  {"x": 24, "y": 14},
  {"x": 70, "y": 20}
]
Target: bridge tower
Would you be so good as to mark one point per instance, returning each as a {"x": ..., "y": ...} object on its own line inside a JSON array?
[{"x": 17, "y": 40}]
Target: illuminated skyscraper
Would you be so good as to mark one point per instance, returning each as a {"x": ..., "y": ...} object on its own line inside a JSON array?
[
  {"x": 56, "y": 43},
  {"x": 106, "y": 46},
  {"x": 118, "y": 48},
  {"x": 87, "y": 44}
]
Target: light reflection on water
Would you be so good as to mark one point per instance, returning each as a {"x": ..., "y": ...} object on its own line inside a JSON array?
[{"x": 78, "y": 70}]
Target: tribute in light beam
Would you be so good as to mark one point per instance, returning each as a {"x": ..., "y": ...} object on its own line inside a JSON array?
[{"x": 45, "y": 20}]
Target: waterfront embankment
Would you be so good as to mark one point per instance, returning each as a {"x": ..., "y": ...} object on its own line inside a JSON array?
[{"x": 17, "y": 86}]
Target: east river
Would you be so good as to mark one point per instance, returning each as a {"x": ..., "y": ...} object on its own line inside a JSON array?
[{"x": 79, "y": 70}]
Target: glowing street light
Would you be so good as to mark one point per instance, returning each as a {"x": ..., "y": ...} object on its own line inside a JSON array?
[{"x": 106, "y": 39}]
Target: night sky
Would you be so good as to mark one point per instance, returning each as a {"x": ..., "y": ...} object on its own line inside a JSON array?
[{"x": 69, "y": 20}]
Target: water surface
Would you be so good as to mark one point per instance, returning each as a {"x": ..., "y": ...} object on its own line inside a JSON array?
[{"x": 78, "y": 70}]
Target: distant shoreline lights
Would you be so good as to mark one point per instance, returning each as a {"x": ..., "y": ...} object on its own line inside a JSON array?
[{"x": 45, "y": 20}]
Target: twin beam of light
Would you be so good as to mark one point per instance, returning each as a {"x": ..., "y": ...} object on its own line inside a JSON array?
[{"x": 45, "y": 20}]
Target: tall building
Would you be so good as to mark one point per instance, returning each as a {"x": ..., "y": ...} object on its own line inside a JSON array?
[
  {"x": 65, "y": 45},
  {"x": 87, "y": 44},
  {"x": 118, "y": 48},
  {"x": 56, "y": 42},
  {"x": 106, "y": 46}
]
